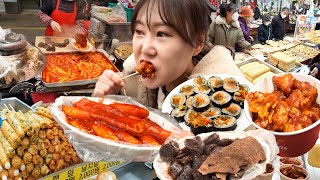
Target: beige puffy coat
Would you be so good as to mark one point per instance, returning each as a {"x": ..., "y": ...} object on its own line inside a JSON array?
[
  {"x": 217, "y": 61},
  {"x": 220, "y": 34}
]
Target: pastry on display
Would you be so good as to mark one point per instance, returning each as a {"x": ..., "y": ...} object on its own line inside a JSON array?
[
  {"x": 283, "y": 61},
  {"x": 253, "y": 70},
  {"x": 305, "y": 50}
]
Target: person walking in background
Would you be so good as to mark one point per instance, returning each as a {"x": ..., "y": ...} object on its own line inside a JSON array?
[
  {"x": 265, "y": 29},
  {"x": 225, "y": 30},
  {"x": 244, "y": 21},
  {"x": 278, "y": 24},
  {"x": 255, "y": 10}
]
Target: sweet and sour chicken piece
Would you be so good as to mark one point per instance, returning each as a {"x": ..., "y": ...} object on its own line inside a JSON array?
[
  {"x": 146, "y": 69},
  {"x": 284, "y": 83}
]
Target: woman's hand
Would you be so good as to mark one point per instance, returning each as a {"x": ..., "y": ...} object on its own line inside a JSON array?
[
  {"x": 314, "y": 72},
  {"x": 55, "y": 26},
  {"x": 108, "y": 83}
]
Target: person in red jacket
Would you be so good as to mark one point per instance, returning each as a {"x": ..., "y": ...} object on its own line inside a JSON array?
[{"x": 63, "y": 17}]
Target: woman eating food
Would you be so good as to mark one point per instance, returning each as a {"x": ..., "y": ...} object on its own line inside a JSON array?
[{"x": 169, "y": 40}]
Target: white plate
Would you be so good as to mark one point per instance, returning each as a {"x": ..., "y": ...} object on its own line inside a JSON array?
[
  {"x": 242, "y": 122},
  {"x": 72, "y": 41},
  {"x": 266, "y": 139},
  {"x": 94, "y": 148}
]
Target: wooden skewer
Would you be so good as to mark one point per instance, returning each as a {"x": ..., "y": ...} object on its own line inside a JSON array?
[
  {"x": 133, "y": 74},
  {"x": 12, "y": 108},
  {"x": 6, "y": 107}
]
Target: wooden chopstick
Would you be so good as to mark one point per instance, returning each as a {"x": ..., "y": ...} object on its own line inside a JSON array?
[{"x": 133, "y": 74}]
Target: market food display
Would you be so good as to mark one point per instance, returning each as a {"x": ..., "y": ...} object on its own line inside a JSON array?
[
  {"x": 291, "y": 107},
  {"x": 117, "y": 121},
  {"x": 305, "y": 50},
  {"x": 66, "y": 67},
  {"x": 255, "y": 71},
  {"x": 20, "y": 67},
  {"x": 146, "y": 69},
  {"x": 123, "y": 51},
  {"x": 283, "y": 61},
  {"x": 209, "y": 104},
  {"x": 240, "y": 57},
  {"x": 211, "y": 157},
  {"x": 32, "y": 145}
]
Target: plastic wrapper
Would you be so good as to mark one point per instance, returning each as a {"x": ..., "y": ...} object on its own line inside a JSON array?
[
  {"x": 94, "y": 148},
  {"x": 265, "y": 138}
]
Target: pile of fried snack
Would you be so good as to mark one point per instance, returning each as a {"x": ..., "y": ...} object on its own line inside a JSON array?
[
  {"x": 32, "y": 145},
  {"x": 291, "y": 107},
  {"x": 256, "y": 71}
]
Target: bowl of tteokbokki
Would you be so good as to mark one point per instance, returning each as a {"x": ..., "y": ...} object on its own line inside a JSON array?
[
  {"x": 288, "y": 105},
  {"x": 128, "y": 131}
]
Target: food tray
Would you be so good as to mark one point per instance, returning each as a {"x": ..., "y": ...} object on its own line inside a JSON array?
[
  {"x": 296, "y": 69},
  {"x": 77, "y": 82},
  {"x": 272, "y": 68},
  {"x": 16, "y": 103}
]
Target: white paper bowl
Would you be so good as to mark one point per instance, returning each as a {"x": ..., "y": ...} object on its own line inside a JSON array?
[
  {"x": 94, "y": 148},
  {"x": 265, "y": 138},
  {"x": 295, "y": 143}
]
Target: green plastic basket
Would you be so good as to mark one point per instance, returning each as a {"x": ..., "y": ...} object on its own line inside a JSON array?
[
  {"x": 111, "y": 5},
  {"x": 129, "y": 13}
]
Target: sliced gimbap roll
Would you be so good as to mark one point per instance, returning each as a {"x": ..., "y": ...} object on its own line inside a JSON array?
[
  {"x": 215, "y": 83},
  {"x": 244, "y": 87},
  {"x": 231, "y": 85},
  {"x": 179, "y": 113},
  {"x": 212, "y": 112},
  {"x": 178, "y": 100},
  {"x": 199, "y": 80},
  {"x": 203, "y": 89},
  {"x": 201, "y": 102},
  {"x": 233, "y": 110},
  {"x": 225, "y": 123},
  {"x": 187, "y": 90},
  {"x": 189, "y": 102},
  {"x": 221, "y": 99}
]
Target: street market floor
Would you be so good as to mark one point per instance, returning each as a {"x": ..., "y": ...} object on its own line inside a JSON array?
[{"x": 26, "y": 23}]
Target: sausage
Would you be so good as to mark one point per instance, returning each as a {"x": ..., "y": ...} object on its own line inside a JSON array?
[
  {"x": 104, "y": 131},
  {"x": 124, "y": 123},
  {"x": 10, "y": 134},
  {"x": 8, "y": 149},
  {"x": 15, "y": 123},
  {"x": 126, "y": 137},
  {"x": 4, "y": 159},
  {"x": 131, "y": 109},
  {"x": 148, "y": 140},
  {"x": 33, "y": 122}
]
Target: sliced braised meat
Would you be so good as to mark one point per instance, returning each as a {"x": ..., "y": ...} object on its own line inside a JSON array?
[
  {"x": 57, "y": 44},
  {"x": 168, "y": 152}
]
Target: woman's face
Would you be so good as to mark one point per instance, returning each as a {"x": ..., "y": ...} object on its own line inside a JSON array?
[{"x": 163, "y": 47}]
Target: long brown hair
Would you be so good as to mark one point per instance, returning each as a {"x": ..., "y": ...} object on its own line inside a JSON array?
[{"x": 190, "y": 18}]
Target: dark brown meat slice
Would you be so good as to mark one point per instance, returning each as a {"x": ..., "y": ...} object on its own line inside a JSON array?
[
  {"x": 168, "y": 152},
  {"x": 212, "y": 139},
  {"x": 230, "y": 159},
  {"x": 57, "y": 44},
  {"x": 186, "y": 174},
  {"x": 175, "y": 169}
]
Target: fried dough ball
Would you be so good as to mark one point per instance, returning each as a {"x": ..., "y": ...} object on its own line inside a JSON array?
[
  {"x": 37, "y": 160},
  {"x": 44, "y": 170},
  {"x": 58, "y": 148},
  {"x": 29, "y": 167},
  {"x": 25, "y": 142},
  {"x": 20, "y": 151},
  {"x": 60, "y": 164},
  {"x": 24, "y": 174},
  {"x": 49, "y": 134},
  {"x": 42, "y": 134},
  {"x": 27, "y": 158},
  {"x": 47, "y": 143},
  {"x": 48, "y": 158},
  {"x": 43, "y": 153},
  {"x": 36, "y": 172},
  {"x": 52, "y": 164},
  {"x": 16, "y": 162},
  {"x": 33, "y": 149},
  {"x": 51, "y": 149},
  {"x": 55, "y": 156},
  {"x": 55, "y": 140},
  {"x": 67, "y": 158},
  {"x": 55, "y": 131},
  {"x": 41, "y": 144}
]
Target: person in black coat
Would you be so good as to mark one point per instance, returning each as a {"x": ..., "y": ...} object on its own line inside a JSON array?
[
  {"x": 278, "y": 25},
  {"x": 255, "y": 10},
  {"x": 265, "y": 29}
]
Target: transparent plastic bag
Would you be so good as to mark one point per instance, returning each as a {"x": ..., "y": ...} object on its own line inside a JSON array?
[{"x": 95, "y": 148}]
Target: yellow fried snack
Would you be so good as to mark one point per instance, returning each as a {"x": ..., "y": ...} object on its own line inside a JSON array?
[{"x": 44, "y": 112}]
